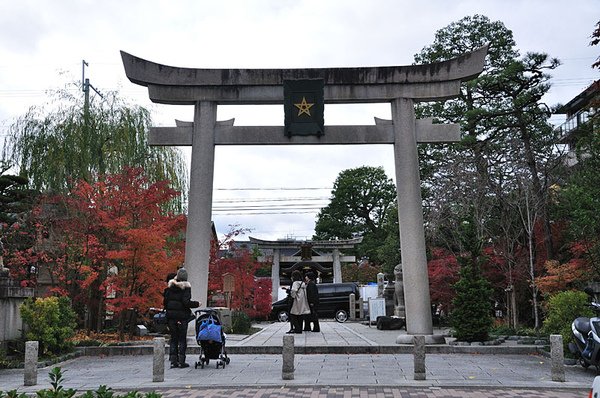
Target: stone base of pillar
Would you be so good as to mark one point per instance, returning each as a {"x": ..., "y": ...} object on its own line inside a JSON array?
[{"x": 429, "y": 339}]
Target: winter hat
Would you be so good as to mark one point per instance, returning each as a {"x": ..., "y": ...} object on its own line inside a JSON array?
[{"x": 182, "y": 275}]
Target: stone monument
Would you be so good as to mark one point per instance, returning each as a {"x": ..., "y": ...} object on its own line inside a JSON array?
[
  {"x": 399, "y": 86},
  {"x": 399, "y": 309}
]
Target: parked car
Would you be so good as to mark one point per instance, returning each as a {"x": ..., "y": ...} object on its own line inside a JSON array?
[{"x": 334, "y": 302}]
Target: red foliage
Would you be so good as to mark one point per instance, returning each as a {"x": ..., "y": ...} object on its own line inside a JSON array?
[
  {"x": 443, "y": 274},
  {"x": 252, "y": 295},
  {"x": 565, "y": 276},
  {"x": 443, "y": 269},
  {"x": 117, "y": 244}
]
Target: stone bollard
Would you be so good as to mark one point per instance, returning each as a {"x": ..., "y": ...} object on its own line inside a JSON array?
[
  {"x": 287, "y": 371},
  {"x": 158, "y": 362},
  {"x": 419, "y": 354},
  {"x": 352, "y": 299},
  {"x": 558, "y": 357},
  {"x": 31, "y": 360}
]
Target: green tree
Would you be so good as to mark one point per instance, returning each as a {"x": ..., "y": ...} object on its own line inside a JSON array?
[
  {"x": 505, "y": 133},
  {"x": 15, "y": 198},
  {"x": 505, "y": 161},
  {"x": 56, "y": 145},
  {"x": 360, "y": 201},
  {"x": 389, "y": 250},
  {"x": 471, "y": 317},
  {"x": 579, "y": 199}
]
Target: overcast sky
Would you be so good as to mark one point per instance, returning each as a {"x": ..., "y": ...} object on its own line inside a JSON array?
[{"x": 43, "y": 43}]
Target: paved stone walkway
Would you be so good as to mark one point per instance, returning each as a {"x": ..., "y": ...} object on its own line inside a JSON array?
[
  {"x": 255, "y": 374},
  {"x": 370, "y": 392}
]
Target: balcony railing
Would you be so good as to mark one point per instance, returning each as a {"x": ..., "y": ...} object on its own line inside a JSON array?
[{"x": 574, "y": 122}]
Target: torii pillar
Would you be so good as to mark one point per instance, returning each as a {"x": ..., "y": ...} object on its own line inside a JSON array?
[{"x": 401, "y": 86}]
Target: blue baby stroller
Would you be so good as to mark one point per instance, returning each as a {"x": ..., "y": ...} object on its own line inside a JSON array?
[{"x": 210, "y": 337}]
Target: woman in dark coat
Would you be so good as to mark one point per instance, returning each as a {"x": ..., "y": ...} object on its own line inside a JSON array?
[
  {"x": 312, "y": 294},
  {"x": 177, "y": 301}
]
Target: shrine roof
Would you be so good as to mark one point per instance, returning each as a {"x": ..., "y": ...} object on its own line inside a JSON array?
[{"x": 316, "y": 244}]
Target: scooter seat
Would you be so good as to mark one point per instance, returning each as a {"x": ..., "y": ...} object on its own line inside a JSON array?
[{"x": 583, "y": 325}]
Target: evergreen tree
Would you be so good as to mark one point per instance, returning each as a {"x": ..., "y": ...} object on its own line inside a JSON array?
[{"x": 472, "y": 314}]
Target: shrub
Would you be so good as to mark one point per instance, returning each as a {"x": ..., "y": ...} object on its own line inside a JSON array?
[
  {"x": 51, "y": 321},
  {"x": 561, "y": 309},
  {"x": 502, "y": 330},
  {"x": 240, "y": 322},
  {"x": 58, "y": 391}
]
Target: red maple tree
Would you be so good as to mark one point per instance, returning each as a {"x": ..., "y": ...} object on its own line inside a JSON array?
[
  {"x": 251, "y": 294},
  {"x": 119, "y": 244}
]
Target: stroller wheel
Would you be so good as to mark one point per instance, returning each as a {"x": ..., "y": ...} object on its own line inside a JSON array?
[{"x": 227, "y": 360}]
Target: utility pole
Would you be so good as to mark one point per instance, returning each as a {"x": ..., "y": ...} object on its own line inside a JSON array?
[{"x": 85, "y": 87}]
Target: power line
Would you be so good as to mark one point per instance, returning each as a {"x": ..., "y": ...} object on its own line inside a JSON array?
[
  {"x": 271, "y": 189},
  {"x": 265, "y": 213},
  {"x": 246, "y": 200}
]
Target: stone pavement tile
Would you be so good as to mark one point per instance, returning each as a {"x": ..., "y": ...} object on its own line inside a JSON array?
[
  {"x": 342, "y": 370},
  {"x": 369, "y": 392}
]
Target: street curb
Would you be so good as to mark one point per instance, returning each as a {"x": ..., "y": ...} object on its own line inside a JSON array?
[{"x": 381, "y": 349}]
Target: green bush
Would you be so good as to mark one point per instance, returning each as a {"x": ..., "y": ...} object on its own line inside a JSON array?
[
  {"x": 561, "y": 310},
  {"x": 240, "y": 322},
  {"x": 6, "y": 362},
  {"x": 51, "y": 322},
  {"x": 502, "y": 330}
]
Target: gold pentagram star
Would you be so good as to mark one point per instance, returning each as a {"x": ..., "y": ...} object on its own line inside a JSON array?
[{"x": 304, "y": 107}]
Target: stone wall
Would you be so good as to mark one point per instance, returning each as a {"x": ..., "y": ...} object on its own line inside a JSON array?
[{"x": 11, "y": 297}]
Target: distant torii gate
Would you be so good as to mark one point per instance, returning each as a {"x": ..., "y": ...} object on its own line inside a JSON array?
[{"x": 400, "y": 86}]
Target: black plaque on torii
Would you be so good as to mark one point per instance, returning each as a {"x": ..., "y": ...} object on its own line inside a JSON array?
[{"x": 304, "y": 107}]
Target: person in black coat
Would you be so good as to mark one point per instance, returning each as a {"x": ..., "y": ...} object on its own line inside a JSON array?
[
  {"x": 177, "y": 301},
  {"x": 312, "y": 294}
]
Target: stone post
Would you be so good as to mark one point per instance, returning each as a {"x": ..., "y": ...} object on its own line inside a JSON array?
[
  {"x": 419, "y": 354},
  {"x": 158, "y": 361},
  {"x": 199, "y": 230},
  {"x": 558, "y": 357},
  {"x": 352, "y": 304},
  {"x": 31, "y": 361},
  {"x": 380, "y": 285},
  {"x": 287, "y": 371},
  {"x": 410, "y": 217},
  {"x": 275, "y": 276},
  {"x": 337, "y": 266}
]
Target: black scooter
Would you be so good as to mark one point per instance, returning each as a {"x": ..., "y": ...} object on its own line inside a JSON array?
[{"x": 586, "y": 337}]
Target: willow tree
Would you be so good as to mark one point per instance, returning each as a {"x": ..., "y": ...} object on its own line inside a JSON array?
[{"x": 58, "y": 144}]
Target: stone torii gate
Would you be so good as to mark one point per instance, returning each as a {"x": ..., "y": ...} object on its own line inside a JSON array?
[{"x": 401, "y": 86}]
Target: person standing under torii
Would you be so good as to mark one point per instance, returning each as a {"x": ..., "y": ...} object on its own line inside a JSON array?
[
  {"x": 312, "y": 295},
  {"x": 300, "y": 306}
]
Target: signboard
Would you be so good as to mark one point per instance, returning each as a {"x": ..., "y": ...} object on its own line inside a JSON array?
[
  {"x": 376, "y": 308},
  {"x": 304, "y": 106},
  {"x": 228, "y": 282}
]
